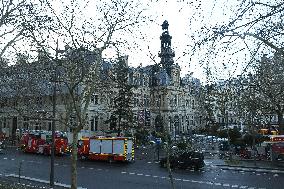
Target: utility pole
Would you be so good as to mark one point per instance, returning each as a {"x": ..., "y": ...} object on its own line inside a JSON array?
[
  {"x": 160, "y": 125},
  {"x": 253, "y": 142},
  {"x": 53, "y": 137},
  {"x": 53, "y": 121},
  {"x": 228, "y": 133},
  {"x": 253, "y": 125},
  {"x": 253, "y": 115}
]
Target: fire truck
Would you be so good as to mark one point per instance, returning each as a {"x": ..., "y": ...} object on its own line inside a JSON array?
[
  {"x": 106, "y": 148},
  {"x": 277, "y": 147},
  {"x": 272, "y": 148},
  {"x": 39, "y": 142}
]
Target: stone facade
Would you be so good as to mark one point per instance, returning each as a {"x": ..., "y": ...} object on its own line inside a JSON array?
[{"x": 159, "y": 92}]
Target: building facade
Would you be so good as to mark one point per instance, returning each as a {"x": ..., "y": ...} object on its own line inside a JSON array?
[
  {"x": 159, "y": 93},
  {"x": 162, "y": 100}
]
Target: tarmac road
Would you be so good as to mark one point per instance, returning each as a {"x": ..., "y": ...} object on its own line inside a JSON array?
[{"x": 143, "y": 173}]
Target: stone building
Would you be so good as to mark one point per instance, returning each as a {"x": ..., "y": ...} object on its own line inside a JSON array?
[
  {"x": 161, "y": 100},
  {"x": 159, "y": 93}
]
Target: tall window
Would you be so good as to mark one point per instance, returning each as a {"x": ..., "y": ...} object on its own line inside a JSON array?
[
  {"x": 94, "y": 124},
  {"x": 37, "y": 126},
  {"x": 145, "y": 100},
  {"x": 146, "y": 81},
  {"x": 5, "y": 122},
  {"x": 15, "y": 103},
  {"x": 26, "y": 123},
  {"x": 96, "y": 99},
  {"x": 171, "y": 125},
  {"x": 175, "y": 100},
  {"x": 39, "y": 101},
  {"x": 49, "y": 125},
  {"x": 135, "y": 100}
]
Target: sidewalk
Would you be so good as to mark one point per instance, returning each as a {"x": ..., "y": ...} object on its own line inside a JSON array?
[
  {"x": 249, "y": 165},
  {"x": 12, "y": 183}
]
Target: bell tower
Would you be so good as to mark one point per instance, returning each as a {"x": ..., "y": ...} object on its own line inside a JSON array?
[{"x": 166, "y": 54}]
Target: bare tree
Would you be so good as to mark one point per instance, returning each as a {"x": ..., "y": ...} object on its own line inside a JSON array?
[
  {"x": 78, "y": 69},
  {"x": 14, "y": 17},
  {"x": 266, "y": 86},
  {"x": 245, "y": 30},
  {"x": 232, "y": 44},
  {"x": 259, "y": 21}
]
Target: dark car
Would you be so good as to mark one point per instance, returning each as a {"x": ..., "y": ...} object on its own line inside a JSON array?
[
  {"x": 184, "y": 160},
  {"x": 224, "y": 146}
]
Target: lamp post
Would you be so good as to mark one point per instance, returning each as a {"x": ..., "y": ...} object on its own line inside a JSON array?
[
  {"x": 253, "y": 110},
  {"x": 228, "y": 133},
  {"x": 53, "y": 136},
  {"x": 53, "y": 120}
]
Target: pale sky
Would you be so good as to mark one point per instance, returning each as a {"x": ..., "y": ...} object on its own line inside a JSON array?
[
  {"x": 185, "y": 18},
  {"x": 184, "y": 21}
]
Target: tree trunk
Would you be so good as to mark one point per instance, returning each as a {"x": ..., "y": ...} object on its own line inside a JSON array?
[
  {"x": 280, "y": 122},
  {"x": 169, "y": 167},
  {"x": 74, "y": 161}
]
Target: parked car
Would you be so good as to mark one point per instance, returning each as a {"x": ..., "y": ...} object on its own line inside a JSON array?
[
  {"x": 184, "y": 160},
  {"x": 245, "y": 153},
  {"x": 2, "y": 144},
  {"x": 224, "y": 146}
]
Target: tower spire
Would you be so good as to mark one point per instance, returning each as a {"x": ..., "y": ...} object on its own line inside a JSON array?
[{"x": 166, "y": 54}]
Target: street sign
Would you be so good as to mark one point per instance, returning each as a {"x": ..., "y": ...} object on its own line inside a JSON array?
[{"x": 158, "y": 140}]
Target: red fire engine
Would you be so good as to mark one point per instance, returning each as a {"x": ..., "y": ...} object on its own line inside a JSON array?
[
  {"x": 275, "y": 146},
  {"x": 106, "y": 148},
  {"x": 40, "y": 142}
]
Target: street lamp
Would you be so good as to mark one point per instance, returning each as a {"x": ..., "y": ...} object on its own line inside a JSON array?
[
  {"x": 53, "y": 134},
  {"x": 53, "y": 119},
  {"x": 54, "y": 78},
  {"x": 253, "y": 112}
]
